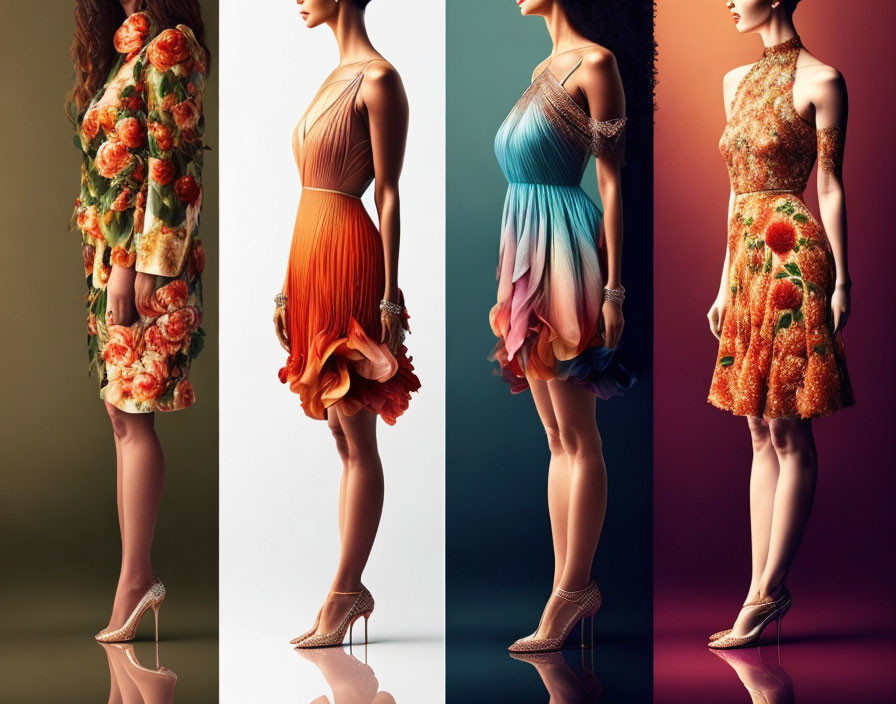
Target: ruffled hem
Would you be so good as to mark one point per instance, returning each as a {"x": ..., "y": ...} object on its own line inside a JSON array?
[
  {"x": 761, "y": 412},
  {"x": 354, "y": 372},
  {"x": 597, "y": 369}
]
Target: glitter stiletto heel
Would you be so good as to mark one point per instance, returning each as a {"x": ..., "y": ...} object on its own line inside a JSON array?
[
  {"x": 361, "y": 608},
  {"x": 769, "y": 609},
  {"x": 153, "y": 599},
  {"x": 588, "y": 601}
]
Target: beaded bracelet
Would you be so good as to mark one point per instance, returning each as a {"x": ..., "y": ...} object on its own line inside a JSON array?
[
  {"x": 280, "y": 300},
  {"x": 616, "y": 295},
  {"x": 390, "y": 307}
]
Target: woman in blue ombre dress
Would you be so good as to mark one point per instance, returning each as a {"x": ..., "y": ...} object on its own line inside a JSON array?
[{"x": 558, "y": 316}]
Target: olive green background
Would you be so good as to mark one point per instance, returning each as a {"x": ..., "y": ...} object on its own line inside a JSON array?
[
  {"x": 59, "y": 543},
  {"x": 499, "y": 555}
]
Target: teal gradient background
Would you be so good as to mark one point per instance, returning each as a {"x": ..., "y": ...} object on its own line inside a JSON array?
[{"x": 499, "y": 557}]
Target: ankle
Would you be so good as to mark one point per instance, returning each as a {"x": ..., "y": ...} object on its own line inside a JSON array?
[{"x": 135, "y": 578}]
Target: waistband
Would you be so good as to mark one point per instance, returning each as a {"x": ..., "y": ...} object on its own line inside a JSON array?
[
  {"x": 792, "y": 191},
  {"x": 330, "y": 190}
]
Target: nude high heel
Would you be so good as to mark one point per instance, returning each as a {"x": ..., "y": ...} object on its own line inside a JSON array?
[
  {"x": 361, "y": 608},
  {"x": 153, "y": 599},
  {"x": 770, "y": 610},
  {"x": 588, "y": 601}
]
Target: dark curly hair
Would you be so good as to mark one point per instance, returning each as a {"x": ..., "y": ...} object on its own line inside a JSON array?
[
  {"x": 361, "y": 3},
  {"x": 625, "y": 27},
  {"x": 95, "y": 24}
]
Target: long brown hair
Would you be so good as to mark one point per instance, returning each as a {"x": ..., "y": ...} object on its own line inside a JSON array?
[{"x": 92, "y": 50}]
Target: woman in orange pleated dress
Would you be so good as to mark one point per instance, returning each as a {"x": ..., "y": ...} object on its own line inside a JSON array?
[{"x": 340, "y": 314}]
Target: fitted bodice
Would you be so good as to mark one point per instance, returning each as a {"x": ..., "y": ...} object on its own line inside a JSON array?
[
  {"x": 766, "y": 144},
  {"x": 331, "y": 143},
  {"x": 547, "y": 138}
]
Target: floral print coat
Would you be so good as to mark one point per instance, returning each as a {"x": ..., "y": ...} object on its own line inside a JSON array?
[{"x": 141, "y": 193}]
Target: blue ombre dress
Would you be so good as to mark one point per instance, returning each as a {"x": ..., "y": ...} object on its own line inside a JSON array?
[{"x": 551, "y": 260}]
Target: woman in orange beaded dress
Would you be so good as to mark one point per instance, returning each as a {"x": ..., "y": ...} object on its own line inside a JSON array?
[{"x": 784, "y": 295}]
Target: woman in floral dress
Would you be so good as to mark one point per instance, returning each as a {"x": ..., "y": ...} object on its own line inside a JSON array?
[{"x": 140, "y": 70}]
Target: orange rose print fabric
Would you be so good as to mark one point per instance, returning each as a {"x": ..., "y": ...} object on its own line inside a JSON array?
[
  {"x": 778, "y": 356},
  {"x": 336, "y": 272},
  {"x": 141, "y": 193}
]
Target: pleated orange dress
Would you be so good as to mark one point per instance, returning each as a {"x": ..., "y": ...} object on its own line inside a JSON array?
[{"x": 336, "y": 273}]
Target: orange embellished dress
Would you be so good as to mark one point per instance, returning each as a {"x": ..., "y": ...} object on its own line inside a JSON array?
[
  {"x": 778, "y": 355},
  {"x": 336, "y": 273}
]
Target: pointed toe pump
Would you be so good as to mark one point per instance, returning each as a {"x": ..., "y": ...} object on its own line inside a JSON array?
[
  {"x": 361, "y": 608},
  {"x": 588, "y": 601},
  {"x": 153, "y": 599},
  {"x": 768, "y": 610}
]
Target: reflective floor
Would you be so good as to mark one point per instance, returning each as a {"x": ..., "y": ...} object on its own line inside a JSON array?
[
  {"x": 846, "y": 658},
  {"x": 48, "y": 654}
]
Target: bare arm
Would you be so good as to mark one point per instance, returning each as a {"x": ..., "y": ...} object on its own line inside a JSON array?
[
  {"x": 831, "y": 103},
  {"x": 716, "y": 313},
  {"x": 387, "y": 109},
  {"x": 606, "y": 101}
]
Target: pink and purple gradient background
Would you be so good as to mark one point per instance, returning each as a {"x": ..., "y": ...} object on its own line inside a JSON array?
[{"x": 844, "y": 579}]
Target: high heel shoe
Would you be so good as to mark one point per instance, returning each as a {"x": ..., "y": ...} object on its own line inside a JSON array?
[
  {"x": 588, "y": 601},
  {"x": 362, "y": 607},
  {"x": 721, "y": 634},
  {"x": 769, "y": 609},
  {"x": 153, "y": 599}
]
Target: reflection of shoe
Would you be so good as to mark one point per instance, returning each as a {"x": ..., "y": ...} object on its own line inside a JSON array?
[
  {"x": 768, "y": 610},
  {"x": 362, "y": 607},
  {"x": 588, "y": 601},
  {"x": 349, "y": 678},
  {"x": 153, "y": 599},
  {"x": 153, "y": 685},
  {"x": 558, "y": 676},
  {"x": 762, "y": 684}
]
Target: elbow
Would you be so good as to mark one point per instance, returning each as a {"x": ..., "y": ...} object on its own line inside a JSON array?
[{"x": 386, "y": 196}]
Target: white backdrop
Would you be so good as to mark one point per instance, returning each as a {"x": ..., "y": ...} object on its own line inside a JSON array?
[{"x": 279, "y": 470}]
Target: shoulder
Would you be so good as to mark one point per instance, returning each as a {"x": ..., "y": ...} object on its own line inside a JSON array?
[
  {"x": 731, "y": 79},
  {"x": 382, "y": 83},
  {"x": 822, "y": 79},
  {"x": 599, "y": 63}
]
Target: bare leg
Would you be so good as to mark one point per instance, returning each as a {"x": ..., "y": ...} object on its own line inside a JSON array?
[
  {"x": 795, "y": 447},
  {"x": 763, "y": 483},
  {"x": 141, "y": 482},
  {"x": 362, "y": 488},
  {"x": 574, "y": 410},
  {"x": 559, "y": 476},
  {"x": 341, "y": 448}
]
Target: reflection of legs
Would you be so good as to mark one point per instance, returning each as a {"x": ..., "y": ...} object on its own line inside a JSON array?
[
  {"x": 558, "y": 476},
  {"x": 577, "y": 491},
  {"x": 361, "y": 505},
  {"x": 115, "y": 696},
  {"x": 141, "y": 479}
]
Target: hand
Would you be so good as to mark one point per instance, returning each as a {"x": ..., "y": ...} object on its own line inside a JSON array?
[
  {"x": 144, "y": 293},
  {"x": 716, "y": 315},
  {"x": 281, "y": 327},
  {"x": 120, "y": 296},
  {"x": 841, "y": 306},
  {"x": 613, "y": 324},
  {"x": 392, "y": 329}
]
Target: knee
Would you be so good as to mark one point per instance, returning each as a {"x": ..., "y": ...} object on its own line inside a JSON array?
[
  {"x": 759, "y": 432},
  {"x": 577, "y": 443},
  {"x": 555, "y": 442},
  {"x": 790, "y": 438},
  {"x": 121, "y": 427},
  {"x": 342, "y": 446}
]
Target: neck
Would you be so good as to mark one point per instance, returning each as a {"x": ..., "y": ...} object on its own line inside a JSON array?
[
  {"x": 351, "y": 34},
  {"x": 129, "y": 6},
  {"x": 778, "y": 29},
  {"x": 563, "y": 35}
]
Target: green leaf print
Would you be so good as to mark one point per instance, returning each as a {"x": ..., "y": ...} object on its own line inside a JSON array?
[
  {"x": 782, "y": 275},
  {"x": 793, "y": 269},
  {"x": 726, "y": 361},
  {"x": 784, "y": 322},
  {"x": 800, "y": 218},
  {"x": 798, "y": 315},
  {"x": 820, "y": 350}
]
